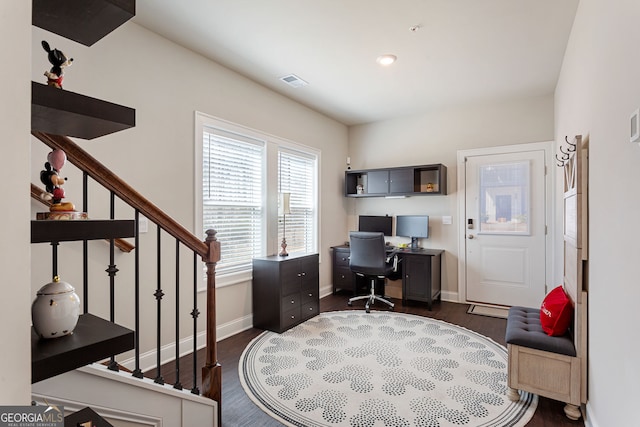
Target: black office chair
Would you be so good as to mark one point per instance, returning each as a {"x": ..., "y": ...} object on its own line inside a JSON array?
[{"x": 369, "y": 259}]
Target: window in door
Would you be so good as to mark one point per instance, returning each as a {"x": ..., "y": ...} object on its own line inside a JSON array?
[{"x": 504, "y": 198}]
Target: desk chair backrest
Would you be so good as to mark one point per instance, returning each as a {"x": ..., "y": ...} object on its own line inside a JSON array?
[{"x": 368, "y": 255}]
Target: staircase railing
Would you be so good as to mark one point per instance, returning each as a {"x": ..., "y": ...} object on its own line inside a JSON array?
[{"x": 208, "y": 250}]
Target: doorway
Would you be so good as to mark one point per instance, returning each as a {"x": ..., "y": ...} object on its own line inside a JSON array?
[{"x": 504, "y": 198}]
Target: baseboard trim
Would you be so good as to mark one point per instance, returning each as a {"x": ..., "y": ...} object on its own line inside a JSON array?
[{"x": 589, "y": 421}]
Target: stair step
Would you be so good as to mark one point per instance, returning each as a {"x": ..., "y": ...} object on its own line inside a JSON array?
[
  {"x": 90, "y": 229},
  {"x": 84, "y": 21},
  {"x": 62, "y": 112},
  {"x": 92, "y": 340}
]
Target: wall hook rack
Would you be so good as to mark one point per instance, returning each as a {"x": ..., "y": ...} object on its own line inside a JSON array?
[{"x": 571, "y": 147}]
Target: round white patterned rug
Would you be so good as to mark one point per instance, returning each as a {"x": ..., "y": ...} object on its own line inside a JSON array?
[{"x": 350, "y": 368}]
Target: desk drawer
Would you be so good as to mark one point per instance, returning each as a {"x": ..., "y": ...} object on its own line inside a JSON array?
[
  {"x": 290, "y": 301},
  {"x": 308, "y": 295},
  {"x": 343, "y": 278},
  {"x": 307, "y": 311},
  {"x": 342, "y": 259},
  {"x": 289, "y": 318}
]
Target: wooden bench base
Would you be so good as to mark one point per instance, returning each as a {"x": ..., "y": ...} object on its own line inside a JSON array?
[{"x": 547, "y": 374}]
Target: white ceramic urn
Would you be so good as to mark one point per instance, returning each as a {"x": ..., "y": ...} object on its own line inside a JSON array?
[{"x": 55, "y": 310}]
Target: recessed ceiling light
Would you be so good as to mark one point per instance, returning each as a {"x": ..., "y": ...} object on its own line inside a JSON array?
[{"x": 387, "y": 59}]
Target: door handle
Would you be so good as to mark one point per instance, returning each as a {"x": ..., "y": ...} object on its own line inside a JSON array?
[{"x": 470, "y": 236}]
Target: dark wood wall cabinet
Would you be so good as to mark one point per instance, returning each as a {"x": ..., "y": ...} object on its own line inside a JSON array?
[
  {"x": 285, "y": 291},
  {"x": 420, "y": 272},
  {"x": 401, "y": 181}
]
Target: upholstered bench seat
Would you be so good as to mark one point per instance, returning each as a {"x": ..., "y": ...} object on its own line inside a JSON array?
[
  {"x": 542, "y": 364},
  {"x": 524, "y": 329}
]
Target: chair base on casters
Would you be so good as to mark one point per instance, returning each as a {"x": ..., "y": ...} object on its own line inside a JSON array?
[{"x": 371, "y": 298}]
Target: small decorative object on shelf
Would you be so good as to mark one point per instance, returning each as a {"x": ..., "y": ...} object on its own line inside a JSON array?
[
  {"x": 56, "y": 309},
  {"x": 59, "y": 60},
  {"x": 53, "y": 182}
]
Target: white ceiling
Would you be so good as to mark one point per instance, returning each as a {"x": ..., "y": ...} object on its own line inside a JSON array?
[{"x": 464, "y": 51}]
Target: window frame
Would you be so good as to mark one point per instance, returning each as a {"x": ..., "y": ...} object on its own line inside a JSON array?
[{"x": 273, "y": 144}]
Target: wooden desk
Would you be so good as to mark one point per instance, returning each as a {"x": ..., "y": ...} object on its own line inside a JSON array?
[{"x": 420, "y": 272}]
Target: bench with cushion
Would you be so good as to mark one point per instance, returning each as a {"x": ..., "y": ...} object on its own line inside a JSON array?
[{"x": 542, "y": 364}]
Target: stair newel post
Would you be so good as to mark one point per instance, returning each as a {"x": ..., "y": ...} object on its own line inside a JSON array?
[
  {"x": 212, "y": 371},
  {"x": 111, "y": 271}
]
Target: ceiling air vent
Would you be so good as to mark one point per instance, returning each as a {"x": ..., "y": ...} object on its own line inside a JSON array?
[{"x": 293, "y": 80}]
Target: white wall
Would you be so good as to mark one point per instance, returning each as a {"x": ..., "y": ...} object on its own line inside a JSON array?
[
  {"x": 435, "y": 137},
  {"x": 15, "y": 119},
  {"x": 598, "y": 89},
  {"x": 166, "y": 83}
]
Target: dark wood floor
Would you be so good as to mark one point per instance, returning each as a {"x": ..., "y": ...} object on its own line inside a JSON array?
[{"x": 238, "y": 410}]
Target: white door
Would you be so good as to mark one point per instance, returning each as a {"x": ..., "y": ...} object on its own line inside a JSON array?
[{"x": 505, "y": 233}]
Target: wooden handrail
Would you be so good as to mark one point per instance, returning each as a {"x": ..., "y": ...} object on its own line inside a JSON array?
[
  {"x": 98, "y": 172},
  {"x": 36, "y": 193}
]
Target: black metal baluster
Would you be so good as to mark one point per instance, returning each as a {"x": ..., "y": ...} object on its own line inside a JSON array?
[
  {"x": 177, "y": 384},
  {"x": 112, "y": 270},
  {"x": 195, "y": 313},
  {"x": 85, "y": 247},
  {"x": 54, "y": 259},
  {"x": 158, "y": 294},
  {"x": 137, "y": 372}
]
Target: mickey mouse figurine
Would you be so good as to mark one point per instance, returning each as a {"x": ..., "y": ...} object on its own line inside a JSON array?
[
  {"x": 59, "y": 60},
  {"x": 53, "y": 182}
]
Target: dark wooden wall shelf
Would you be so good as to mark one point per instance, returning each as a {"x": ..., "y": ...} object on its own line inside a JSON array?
[
  {"x": 67, "y": 231},
  {"x": 84, "y": 21},
  {"x": 424, "y": 180},
  {"x": 61, "y": 112},
  {"x": 92, "y": 340}
]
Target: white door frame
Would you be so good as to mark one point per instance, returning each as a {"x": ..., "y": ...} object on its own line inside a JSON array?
[{"x": 549, "y": 189}]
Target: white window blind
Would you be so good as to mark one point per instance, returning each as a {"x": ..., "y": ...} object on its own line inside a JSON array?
[
  {"x": 233, "y": 196},
  {"x": 297, "y": 176}
]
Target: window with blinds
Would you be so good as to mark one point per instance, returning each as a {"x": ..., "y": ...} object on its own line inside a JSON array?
[
  {"x": 232, "y": 197},
  {"x": 297, "y": 176}
]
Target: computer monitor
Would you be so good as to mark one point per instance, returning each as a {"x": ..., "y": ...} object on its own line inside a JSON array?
[
  {"x": 376, "y": 223},
  {"x": 414, "y": 226}
]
